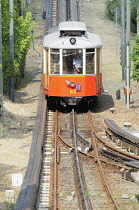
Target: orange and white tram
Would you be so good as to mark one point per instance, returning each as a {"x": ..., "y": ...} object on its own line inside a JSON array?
[{"x": 63, "y": 81}]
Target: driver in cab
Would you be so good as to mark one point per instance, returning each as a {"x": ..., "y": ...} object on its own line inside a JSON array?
[{"x": 77, "y": 63}]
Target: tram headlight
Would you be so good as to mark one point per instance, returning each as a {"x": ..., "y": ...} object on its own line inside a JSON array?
[
  {"x": 72, "y": 84},
  {"x": 72, "y": 40}
]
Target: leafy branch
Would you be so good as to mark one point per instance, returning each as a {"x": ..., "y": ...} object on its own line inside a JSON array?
[{"x": 22, "y": 41}]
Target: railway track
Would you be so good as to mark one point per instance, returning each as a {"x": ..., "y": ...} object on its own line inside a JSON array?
[
  {"x": 61, "y": 10},
  {"x": 82, "y": 190},
  {"x": 114, "y": 202},
  {"x": 59, "y": 185},
  {"x": 113, "y": 147},
  {"x": 84, "y": 200}
]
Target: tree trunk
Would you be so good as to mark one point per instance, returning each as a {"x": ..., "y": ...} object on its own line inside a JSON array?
[{"x": 138, "y": 20}]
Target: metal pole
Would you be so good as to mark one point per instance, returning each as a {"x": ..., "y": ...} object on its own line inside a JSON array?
[
  {"x": 116, "y": 20},
  {"x": 123, "y": 42},
  {"x": 128, "y": 5},
  {"x": 27, "y": 5},
  {"x": 11, "y": 91},
  {"x": 1, "y": 81},
  {"x": 128, "y": 78}
]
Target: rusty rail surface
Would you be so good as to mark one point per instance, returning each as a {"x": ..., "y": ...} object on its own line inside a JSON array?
[
  {"x": 28, "y": 192},
  {"x": 102, "y": 171},
  {"x": 90, "y": 155},
  {"x": 112, "y": 148}
]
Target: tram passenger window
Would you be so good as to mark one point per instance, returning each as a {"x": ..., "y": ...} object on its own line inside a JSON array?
[
  {"x": 90, "y": 61},
  {"x": 54, "y": 61}
]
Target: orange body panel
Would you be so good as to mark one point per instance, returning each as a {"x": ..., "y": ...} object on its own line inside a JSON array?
[{"x": 59, "y": 86}]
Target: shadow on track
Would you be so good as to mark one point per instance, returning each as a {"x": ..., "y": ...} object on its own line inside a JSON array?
[{"x": 101, "y": 103}]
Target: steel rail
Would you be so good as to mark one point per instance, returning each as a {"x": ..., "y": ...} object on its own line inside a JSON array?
[
  {"x": 107, "y": 145},
  {"x": 102, "y": 171},
  {"x": 85, "y": 141},
  {"x": 78, "y": 164},
  {"x": 92, "y": 156},
  {"x": 115, "y": 149},
  {"x": 115, "y": 155}
]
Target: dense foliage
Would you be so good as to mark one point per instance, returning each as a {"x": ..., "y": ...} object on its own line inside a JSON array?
[
  {"x": 111, "y": 4},
  {"x": 22, "y": 41},
  {"x": 135, "y": 57},
  {"x": 135, "y": 53}
]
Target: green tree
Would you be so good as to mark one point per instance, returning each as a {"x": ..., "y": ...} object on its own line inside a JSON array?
[
  {"x": 22, "y": 41},
  {"x": 110, "y": 5},
  {"x": 135, "y": 57}
]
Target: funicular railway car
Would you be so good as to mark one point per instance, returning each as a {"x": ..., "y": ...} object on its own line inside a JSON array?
[{"x": 72, "y": 64}]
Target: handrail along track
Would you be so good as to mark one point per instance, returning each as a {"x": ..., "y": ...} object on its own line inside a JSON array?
[
  {"x": 129, "y": 141},
  {"x": 121, "y": 134}
]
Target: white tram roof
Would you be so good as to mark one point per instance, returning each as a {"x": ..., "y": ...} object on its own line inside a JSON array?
[
  {"x": 56, "y": 41},
  {"x": 72, "y": 25}
]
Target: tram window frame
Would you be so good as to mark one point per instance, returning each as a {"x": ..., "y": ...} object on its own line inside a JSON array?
[
  {"x": 46, "y": 65},
  {"x": 67, "y": 65},
  {"x": 54, "y": 58},
  {"x": 98, "y": 65},
  {"x": 90, "y": 63}
]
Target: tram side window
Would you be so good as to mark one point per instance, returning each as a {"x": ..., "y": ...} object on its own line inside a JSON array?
[
  {"x": 54, "y": 61},
  {"x": 98, "y": 60},
  {"x": 90, "y": 61}
]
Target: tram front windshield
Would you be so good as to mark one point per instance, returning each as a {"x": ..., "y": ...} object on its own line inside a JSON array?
[{"x": 72, "y": 61}]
